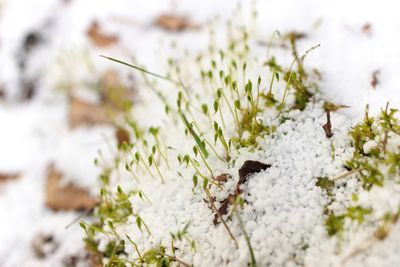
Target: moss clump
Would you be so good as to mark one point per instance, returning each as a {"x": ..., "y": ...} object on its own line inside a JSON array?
[
  {"x": 325, "y": 183},
  {"x": 334, "y": 224},
  {"x": 374, "y": 141},
  {"x": 376, "y": 159}
]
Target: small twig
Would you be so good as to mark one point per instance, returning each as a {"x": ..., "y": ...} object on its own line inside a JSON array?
[
  {"x": 367, "y": 244},
  {"x": 308, "y": 51},
  {"x": 346, "y": 174},
  {"x": 178, "y": 260},
  {"x": 220, "y": 217}
]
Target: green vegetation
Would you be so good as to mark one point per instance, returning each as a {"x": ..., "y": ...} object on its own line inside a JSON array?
[
  {"x": 230, "y": 96},
  {"x": 375, "y": 160}
]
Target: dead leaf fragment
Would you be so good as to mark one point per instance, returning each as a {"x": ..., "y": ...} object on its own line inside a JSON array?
[
  {"x": 223, "y": 209},
  {"x": 174, "y": 23},
  {"x": 367, "y": 29},
  {"x": 375, "y": 78},
  {"x": 7, "y": 176},
  {"x": 115, "y": 97},
  {"x": 122, "y": 136},
  {"x": 66, "y": 197},
  {"x": 250, "y": 167},
  {"x": 87, "y": 114},
  {"x": 328, "y": 125},
  {"x": 100, "y": 38},
  {"x": 223, "y": 178}
]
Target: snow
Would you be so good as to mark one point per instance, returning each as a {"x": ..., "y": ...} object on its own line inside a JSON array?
[{"x": 285, "y": 207}]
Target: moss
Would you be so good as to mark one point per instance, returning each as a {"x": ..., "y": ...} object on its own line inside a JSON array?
[
  {"x": 325, "y": 183},
  {"x": 334, "y": 224},
  {"x": 375, "y": 164}
]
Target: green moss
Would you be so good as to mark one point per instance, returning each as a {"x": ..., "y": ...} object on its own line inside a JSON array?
[
  {"x": 357, "y": 213},
  {"x": 255, "y": 129},
  {"x": 334, "y": 224},
  {"x": 374, "y": 163},
  {"x": 331, "y": 107},
  {"x": 325, "y": 183}
]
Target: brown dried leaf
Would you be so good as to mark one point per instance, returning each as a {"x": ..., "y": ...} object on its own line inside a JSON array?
[
  {"x": 174, "y": 23},
  {"x": 7, "y": 176},
  {"x": 66, "y": 197},
  {"x": 328, "y": 125},
  {"x": 367, "y": 29},
  {"x": 122, "y": 136},
  {"x": 114, "y": 98},
  {"x": 223, "y": 209},
  {"x": 87, "y": 114},
  {"x": 223, "y": 178},
  {"x": 100, "y": 38},
  {"x": 248, "y": 168}
]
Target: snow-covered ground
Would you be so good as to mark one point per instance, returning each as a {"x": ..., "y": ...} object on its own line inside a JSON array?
[{"x": 358, "y": 39}]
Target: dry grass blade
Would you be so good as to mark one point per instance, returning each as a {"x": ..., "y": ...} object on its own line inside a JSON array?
[
  {"x": 211, "y": 200},
  {"x": 346, "y": 174}
]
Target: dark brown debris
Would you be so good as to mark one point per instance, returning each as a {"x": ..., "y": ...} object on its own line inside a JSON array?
[
  {"x": 122, "y": 136},
  {"x": 367, "y": 29},
  {"x": 328, "y": 125},
  {"x": 223, "y": 209},
  {"x": 71, "y": 261},
  {"x": 81, "y": 259},
  {"x": 98, "y": 37},
  {"x": 174, "y": 23},
  {"x": 2, "y": 93},
  {"x": 223, "y": 178},
  {"x": 249, "y": 167},
  {"x": 66, "y": 197},
  {"x": 375, "y": 78},
  {"x": 32, "y": 40},
  {"x": 44, "y": 245}
]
